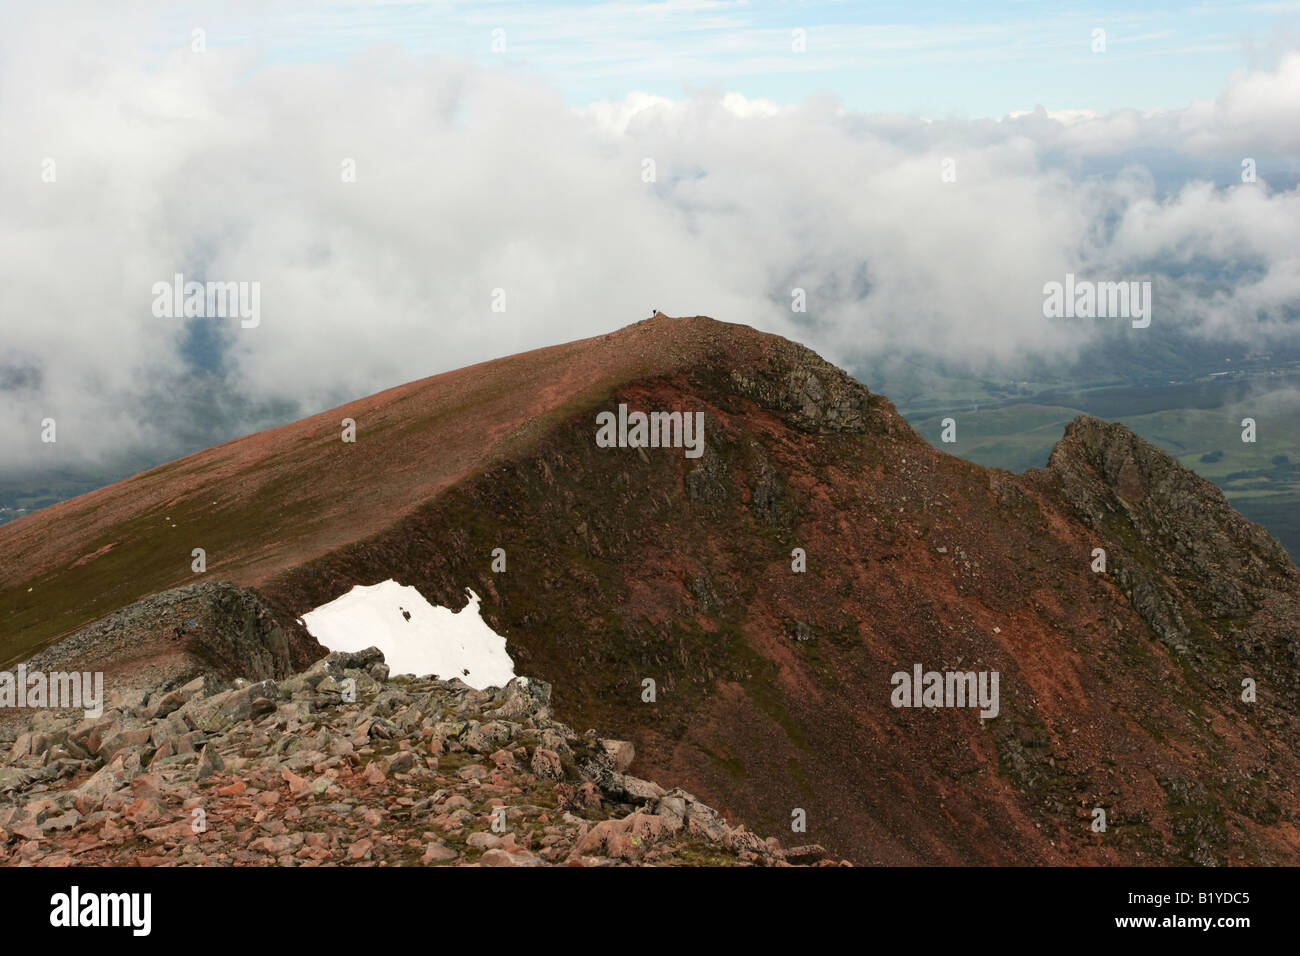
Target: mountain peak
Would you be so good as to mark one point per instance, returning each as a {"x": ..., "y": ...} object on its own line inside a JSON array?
[
  {"x": 1198, "y": 572},
  {"x": 1106, "y": 469}
]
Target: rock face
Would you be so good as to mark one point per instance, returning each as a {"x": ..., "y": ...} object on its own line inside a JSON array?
[
  {"x": 1197, "y": 571},
  {"x": 342, "y": 766}
]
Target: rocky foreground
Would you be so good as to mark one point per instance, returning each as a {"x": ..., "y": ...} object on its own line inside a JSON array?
[{"x": 343, "y": 765}]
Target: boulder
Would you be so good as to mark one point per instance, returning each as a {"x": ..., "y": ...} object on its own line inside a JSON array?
[{"x": 621, "y": 752}]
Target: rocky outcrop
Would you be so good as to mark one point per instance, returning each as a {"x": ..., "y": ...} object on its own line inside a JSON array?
[
  {"x": 1107, "y": 472},
  {"x": 813, "y": 395},
  {"x": 340, "y": 765},
  {"x": 1195, "y": 570},
  {"x": 226, "y": 631}
]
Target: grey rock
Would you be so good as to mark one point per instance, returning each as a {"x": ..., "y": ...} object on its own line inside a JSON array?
[
  {"x": 625, "y": 787},
  {"x": 64, "y": 821},
  {"x": 16, "y": 778},
  {"x": 621, "y": 752},
  {"x": 523, "y": 697},
  {"x": 210, "y": 762}
]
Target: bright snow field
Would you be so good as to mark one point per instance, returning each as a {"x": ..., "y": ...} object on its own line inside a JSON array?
[{"x": 433, "y": 640}]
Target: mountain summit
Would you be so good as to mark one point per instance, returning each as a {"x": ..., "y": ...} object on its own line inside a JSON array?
[{"x": 821, "y": 621}]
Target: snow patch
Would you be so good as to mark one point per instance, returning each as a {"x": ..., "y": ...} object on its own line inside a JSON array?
[{"x": 416, "y": 637}]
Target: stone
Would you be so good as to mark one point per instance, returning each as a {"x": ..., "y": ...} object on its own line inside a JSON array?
[
  {"x": 546, "y": 764},
  {"x": 631, "y": 789},
  {"x": 210, "y": 762},
  {"x": 621, "y": 752},
  {"x": 373, "y": 764},
  {"x": 438, "y": 852},
  {"x": 805, "y": 855}
]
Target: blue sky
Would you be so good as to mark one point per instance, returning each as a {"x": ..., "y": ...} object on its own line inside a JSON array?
[{"x": 926, "y": 58}]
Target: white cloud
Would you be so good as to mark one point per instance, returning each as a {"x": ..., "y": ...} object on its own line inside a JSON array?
[{"x": 468, "y": 180}]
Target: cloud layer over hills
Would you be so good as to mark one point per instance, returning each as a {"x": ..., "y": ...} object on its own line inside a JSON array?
[{"x": 225, "y": 166}]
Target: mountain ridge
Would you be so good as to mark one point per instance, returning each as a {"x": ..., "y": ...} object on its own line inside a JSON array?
[{"x": 1120, "y": 689}]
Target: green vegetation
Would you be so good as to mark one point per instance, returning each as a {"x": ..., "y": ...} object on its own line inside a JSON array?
[
  {"x": 1260, "y": 479},
  {"x": 733, "y": 767},
  {"x": 800, "y": 778}
]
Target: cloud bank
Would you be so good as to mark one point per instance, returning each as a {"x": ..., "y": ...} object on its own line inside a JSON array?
[{"x": 904, "y": 233}]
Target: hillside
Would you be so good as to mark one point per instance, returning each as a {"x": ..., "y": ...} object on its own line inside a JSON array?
[
  {"x": 1120, "y": 690},
  {"x": 269, "y": 501}
]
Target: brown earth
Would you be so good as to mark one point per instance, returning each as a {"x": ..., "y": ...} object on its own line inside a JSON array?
[{"x": 1119, "y": 690}]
